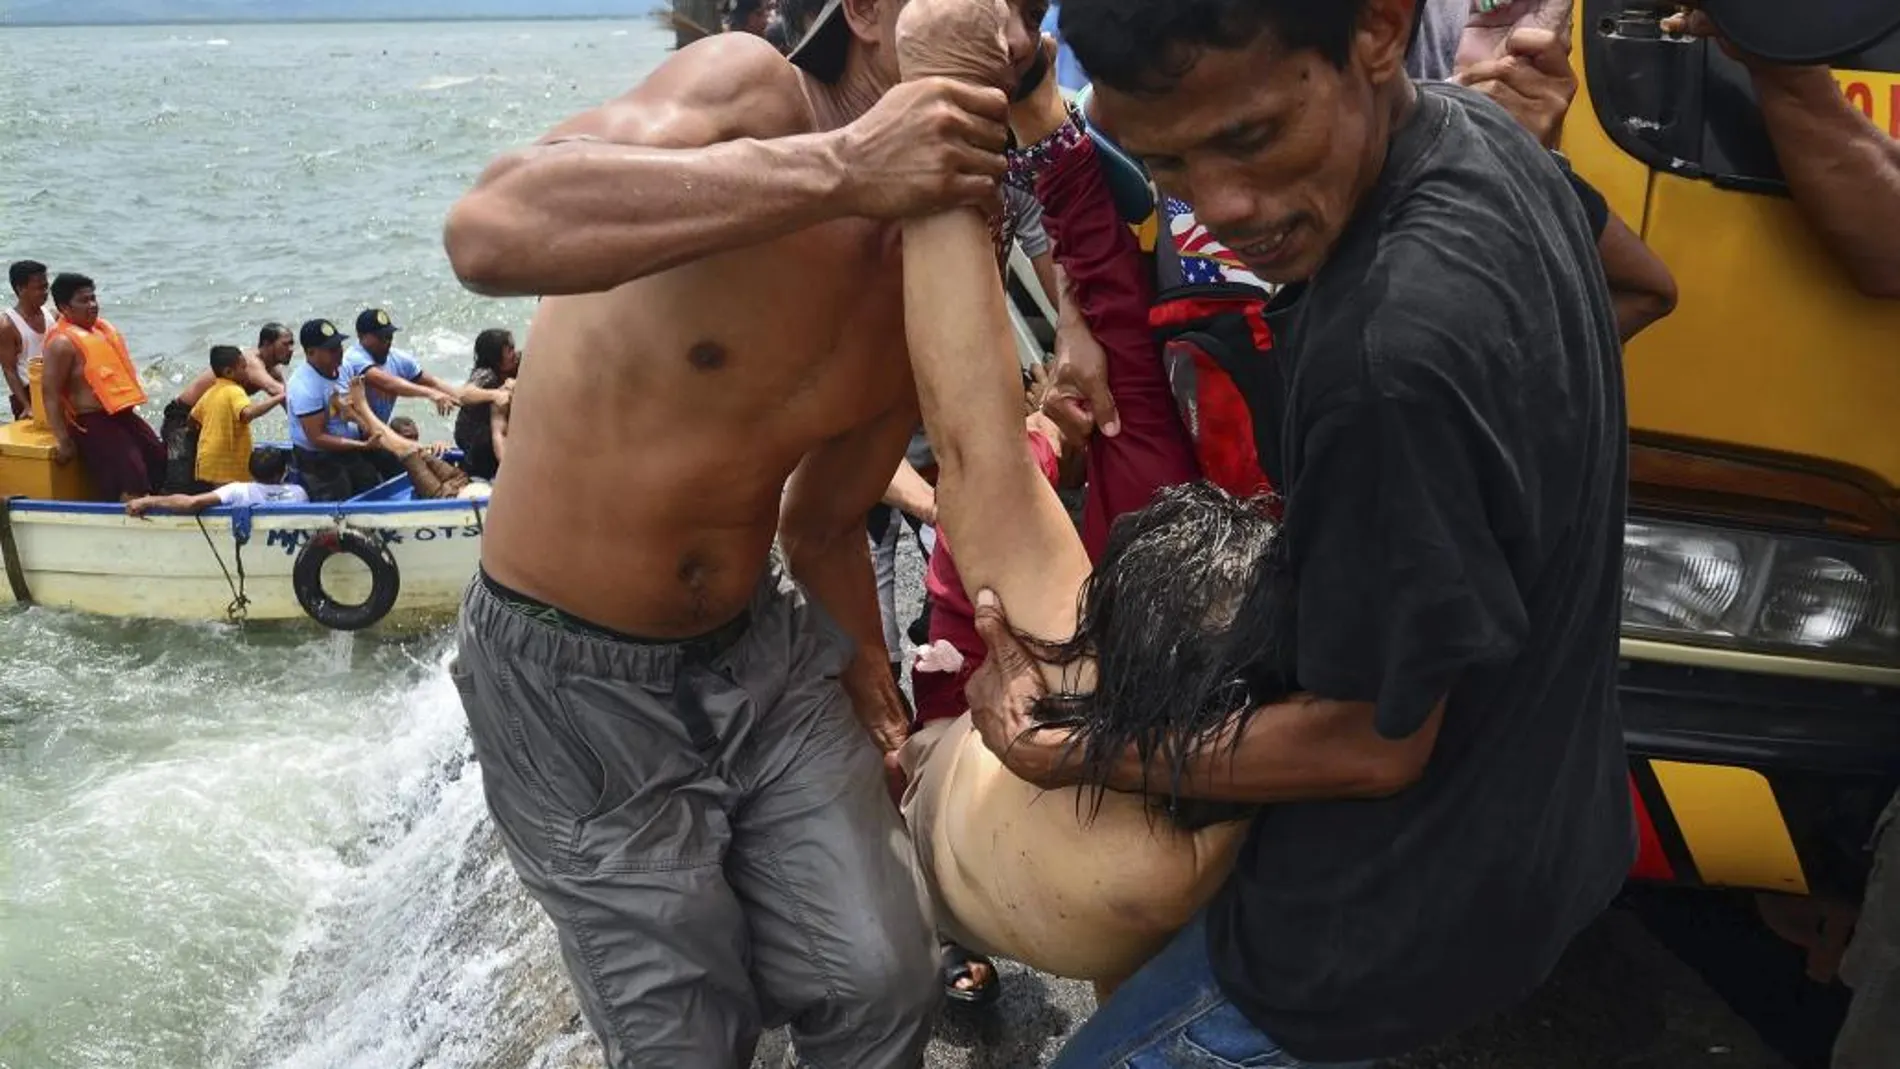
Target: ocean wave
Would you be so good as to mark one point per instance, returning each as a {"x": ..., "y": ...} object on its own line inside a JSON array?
[{"x": 424, "y": 949}]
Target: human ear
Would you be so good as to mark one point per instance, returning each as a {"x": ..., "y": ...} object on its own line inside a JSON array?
[
  {"x": 865, "y": 17},
  {"x": 1382, "y": 38}
]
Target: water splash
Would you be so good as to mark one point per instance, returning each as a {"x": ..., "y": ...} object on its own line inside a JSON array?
[
  {"x": 425, "y": 950},
  {"x": 342, "y": 645}
]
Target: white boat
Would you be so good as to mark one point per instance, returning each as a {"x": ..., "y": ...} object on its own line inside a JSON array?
[
  {"x": 347, "y": 565},
  {"x": 244, "y": 563}
]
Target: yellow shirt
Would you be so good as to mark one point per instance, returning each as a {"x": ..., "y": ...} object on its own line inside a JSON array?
[{"x": 224, "y": 440}]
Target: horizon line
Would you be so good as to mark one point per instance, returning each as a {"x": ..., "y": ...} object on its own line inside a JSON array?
[{"x": 8, "y": 23}]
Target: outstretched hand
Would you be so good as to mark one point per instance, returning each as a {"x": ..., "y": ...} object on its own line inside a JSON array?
[
  {"x": 962, "y": 39},
  {"x": 1003, "y": 694}
]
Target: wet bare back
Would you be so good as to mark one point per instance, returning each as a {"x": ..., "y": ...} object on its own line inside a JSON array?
[
  {"x": 654, "y": 425},
  {"x": 1043, "y": 878}
]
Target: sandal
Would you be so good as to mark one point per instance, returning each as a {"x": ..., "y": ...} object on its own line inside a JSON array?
[{"x": 956, "y": 965}]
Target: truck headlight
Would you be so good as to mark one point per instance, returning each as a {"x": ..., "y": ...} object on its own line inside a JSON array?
[{"x": 1762, "y": 592}]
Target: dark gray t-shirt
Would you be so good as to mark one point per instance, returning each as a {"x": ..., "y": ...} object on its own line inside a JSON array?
[{"x": 1454, "y": 440}]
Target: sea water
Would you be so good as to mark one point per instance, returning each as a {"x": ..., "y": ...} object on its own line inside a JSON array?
[
  {"x": 226, "y": 846},
  {"x": 238, "y": 847}
]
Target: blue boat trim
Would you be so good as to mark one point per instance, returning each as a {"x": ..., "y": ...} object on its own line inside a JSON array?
[
  {"x": 328, "y": 508},
  {"x": 390, "y": 497}
]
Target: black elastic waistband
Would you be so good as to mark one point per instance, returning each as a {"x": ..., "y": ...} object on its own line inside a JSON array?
[{"x": 711, "y": 644}]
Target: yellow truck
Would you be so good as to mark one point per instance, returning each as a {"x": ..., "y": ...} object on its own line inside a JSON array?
[{"x": 1761, "y": 611}]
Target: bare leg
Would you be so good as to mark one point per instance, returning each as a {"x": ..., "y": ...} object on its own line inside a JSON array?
[{"x": 374, "y": 429}]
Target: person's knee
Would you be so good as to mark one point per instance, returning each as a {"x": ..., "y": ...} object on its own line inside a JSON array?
[{"x": 893, "y": 974}]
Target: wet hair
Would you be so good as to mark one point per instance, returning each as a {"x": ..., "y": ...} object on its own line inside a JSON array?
[
  {"x": 489, "y": 345},
  {"x": 269, "y": 465},
  {"x": 67, "y": 285},
  {"x": 271, "y": 332},
  {"x": 224, "y": 359},
  {"x": 1188, "y": 619},
  {"x": 21, "y": 272},
  {"x": 406, "y": 427},
  {"x": 1146, "y": 46}
]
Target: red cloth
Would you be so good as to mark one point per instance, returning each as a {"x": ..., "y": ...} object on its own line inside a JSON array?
[
  {"x": 121, "y": 454},
  {"x": 1113, "y": 284},
  {"x": 1113, "y": 287}
]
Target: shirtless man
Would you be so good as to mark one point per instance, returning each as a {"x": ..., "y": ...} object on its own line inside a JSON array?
[
  {"x": 93, "y": 392},
  {"x": 260, "y": 371},
  {"x": 663, "y": 716},
  {"x": 23, "y": 331}
]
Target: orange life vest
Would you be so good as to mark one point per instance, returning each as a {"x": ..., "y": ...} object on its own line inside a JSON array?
[{"x": 105, "y": 363}]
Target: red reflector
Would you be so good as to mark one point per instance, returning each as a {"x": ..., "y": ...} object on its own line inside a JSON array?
[{"x": 1651, "y": 862}]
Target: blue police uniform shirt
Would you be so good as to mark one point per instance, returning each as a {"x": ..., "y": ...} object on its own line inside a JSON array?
[
  {"x": 308, "y": 392},
  {"x": 398, "y": 363}
]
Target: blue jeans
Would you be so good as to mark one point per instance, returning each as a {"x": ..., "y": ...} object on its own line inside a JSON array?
[{"x": 1172, "y": 1015}]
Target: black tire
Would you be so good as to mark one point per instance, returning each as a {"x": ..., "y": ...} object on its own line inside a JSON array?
[{"x": 306, "y": 578}]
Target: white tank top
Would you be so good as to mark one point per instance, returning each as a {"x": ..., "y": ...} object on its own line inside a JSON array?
[{"x": 32, "y": 340}]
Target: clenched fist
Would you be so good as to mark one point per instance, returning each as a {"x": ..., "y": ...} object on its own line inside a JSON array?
[
  {"x": 962, "y": 39},
  {"x": 928, "y": 145},
  {"x": 1533, "y": 80},
  {"x": 1488, "y": 32}
]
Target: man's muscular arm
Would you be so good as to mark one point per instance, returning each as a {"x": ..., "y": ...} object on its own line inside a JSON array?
[
  {"x": 821, "y": 527},
  {"x": 910, "y": 494},
  {"x": 717, "y": 150},
  {"x": 58, "y": 362},
  {"x": 11, "y": 366},
  {"x": 1843, "y": 171},
  {"x": 395, "y": 385},
  {"x": 1304, "y": 748},
  {"x": 256, "y": 378}
]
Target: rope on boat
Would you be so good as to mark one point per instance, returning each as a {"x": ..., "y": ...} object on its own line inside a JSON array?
[
  {"x": 240, "y": 604},
  {"x": 10, "y": 555}
]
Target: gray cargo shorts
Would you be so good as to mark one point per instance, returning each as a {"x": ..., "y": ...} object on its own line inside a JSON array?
[
  {"x": 708, "y": 827},
  {"x": 1870, "y": 1037}
]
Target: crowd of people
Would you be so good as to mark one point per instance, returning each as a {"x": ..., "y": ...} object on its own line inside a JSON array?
[
  {"x": 1304, "y": 747},
  {"x": 344, "y": 436}
]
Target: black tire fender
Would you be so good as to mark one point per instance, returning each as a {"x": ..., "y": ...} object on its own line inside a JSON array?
[{"x": 306, "y": 579}]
